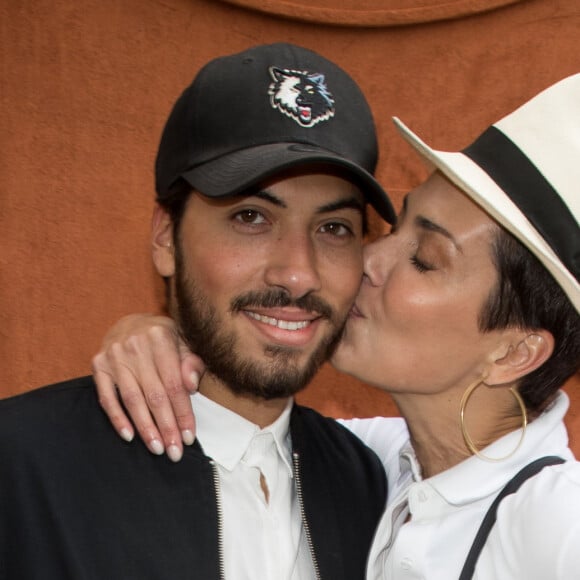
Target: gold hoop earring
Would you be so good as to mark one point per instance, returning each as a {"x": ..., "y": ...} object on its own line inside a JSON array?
[{"x": 467, "y": 438}]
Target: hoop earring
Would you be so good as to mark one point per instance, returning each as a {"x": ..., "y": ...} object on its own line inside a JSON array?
[{"x": 467, "y": 438}]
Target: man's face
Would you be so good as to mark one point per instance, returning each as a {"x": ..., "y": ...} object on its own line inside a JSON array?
[{"x": 263, "y": 283}]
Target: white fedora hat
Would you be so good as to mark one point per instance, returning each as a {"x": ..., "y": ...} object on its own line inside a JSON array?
[{"x": 525, "y": 172}]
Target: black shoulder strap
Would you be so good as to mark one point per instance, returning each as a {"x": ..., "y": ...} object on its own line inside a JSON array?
[{"x": 511, "y": 487}]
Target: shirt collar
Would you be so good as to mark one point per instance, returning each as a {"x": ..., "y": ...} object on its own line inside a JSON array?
[
  {"x": 225, "y": 435},
  {"x": 475, "y": 478}
]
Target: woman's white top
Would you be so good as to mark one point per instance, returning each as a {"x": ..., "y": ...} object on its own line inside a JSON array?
[{"x": 537, "y": 532}]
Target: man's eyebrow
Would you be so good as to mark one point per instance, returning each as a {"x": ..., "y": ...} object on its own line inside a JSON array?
[
  {"x": 345, "y": 203},
  {"x": 268, "y": 196}
]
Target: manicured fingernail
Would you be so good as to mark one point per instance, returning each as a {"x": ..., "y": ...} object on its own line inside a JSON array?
[
  {"x": 194, "y": 378},
  {"x": 187, "y": 436},
  {"x": 126, "y": 434},
  {"x": 174, "y": 453},
  {"x": 157, "y": 447}
]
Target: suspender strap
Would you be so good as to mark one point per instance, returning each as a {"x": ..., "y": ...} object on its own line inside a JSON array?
[{"x": 489, "y": 520}]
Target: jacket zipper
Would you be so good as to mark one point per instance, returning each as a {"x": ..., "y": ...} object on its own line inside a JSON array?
[
  {"x": 296, "y": 464},
  {"x": 220, "y": 523}
]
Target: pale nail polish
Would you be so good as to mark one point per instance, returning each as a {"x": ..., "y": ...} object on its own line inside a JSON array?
[
  {"x": 126, "y": 435},
  {"x": 157, "y": 447},
  {"x": 194, "y": 377},
  {"x": 187, "y": 437},
  {"x": 174, "y": 453}
]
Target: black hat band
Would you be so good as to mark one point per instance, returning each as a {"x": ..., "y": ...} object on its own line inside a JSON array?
[{"x": 530, "y": 191}]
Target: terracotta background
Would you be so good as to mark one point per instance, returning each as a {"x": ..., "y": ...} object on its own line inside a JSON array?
[{"x": 85, "y": 87}]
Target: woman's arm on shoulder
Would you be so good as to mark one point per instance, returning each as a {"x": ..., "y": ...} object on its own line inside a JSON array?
[{"x": 145, "y": 370}]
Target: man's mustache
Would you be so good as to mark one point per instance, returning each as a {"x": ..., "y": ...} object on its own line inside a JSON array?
[{"x": 280, "y": 298}]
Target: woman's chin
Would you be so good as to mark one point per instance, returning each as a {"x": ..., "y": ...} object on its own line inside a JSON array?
[{"x": 344, "y": 359}]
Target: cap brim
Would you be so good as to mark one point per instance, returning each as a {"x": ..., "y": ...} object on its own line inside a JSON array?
[
  {"x": 485, "y": 192},
  {"x": 239, "y": 171}
]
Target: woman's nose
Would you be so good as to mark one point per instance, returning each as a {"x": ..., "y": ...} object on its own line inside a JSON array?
[{"x": 377, "y": 259}]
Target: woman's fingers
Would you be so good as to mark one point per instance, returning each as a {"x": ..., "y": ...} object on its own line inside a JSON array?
[
  {"x": 140, "y": 365},
  {"x": 109, "y": 401}
]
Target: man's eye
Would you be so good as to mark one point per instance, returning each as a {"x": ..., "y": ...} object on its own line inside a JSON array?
[
  {"x": 250, "y": 216},
  {"x": 336, "y": 229}
]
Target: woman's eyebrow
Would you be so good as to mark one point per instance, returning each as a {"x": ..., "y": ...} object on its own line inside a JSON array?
[{"x": 426, "y": 224}]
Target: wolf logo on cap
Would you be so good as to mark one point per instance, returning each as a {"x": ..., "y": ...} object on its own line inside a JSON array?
[{"x": 301, "y": 95}]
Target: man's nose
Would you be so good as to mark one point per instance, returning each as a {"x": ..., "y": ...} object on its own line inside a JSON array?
[{"x": 293, "y": 265}]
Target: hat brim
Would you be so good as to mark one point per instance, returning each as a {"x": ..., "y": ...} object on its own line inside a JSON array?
[
  {"x": 484, "y": 191},
  {"x": 239, "y": 171}
]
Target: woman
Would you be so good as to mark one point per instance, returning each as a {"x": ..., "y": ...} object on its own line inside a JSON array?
[{"x": 468, "y": 316}]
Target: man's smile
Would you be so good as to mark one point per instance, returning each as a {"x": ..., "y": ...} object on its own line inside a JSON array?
[
  {"x": 292, "y": 327},
  {"x": 283, "y": 324}
]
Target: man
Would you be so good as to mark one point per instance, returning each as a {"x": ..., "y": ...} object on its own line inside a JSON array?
[
  {"x": 451, "y": 468},
  {"x": 260, "y": 177}
]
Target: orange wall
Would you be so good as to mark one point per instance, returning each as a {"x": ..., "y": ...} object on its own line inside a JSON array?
[{"x": 85, "y": 87}]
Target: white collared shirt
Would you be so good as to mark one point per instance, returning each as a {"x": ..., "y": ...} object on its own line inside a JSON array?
[
  {"x": 537, "y": 532},
  {"x": 262, "y": 540}
]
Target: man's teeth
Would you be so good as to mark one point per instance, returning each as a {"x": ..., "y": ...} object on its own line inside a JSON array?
[{"x": 283, "y": 324}]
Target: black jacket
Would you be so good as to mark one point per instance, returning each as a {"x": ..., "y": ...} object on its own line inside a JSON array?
[{"x": 78, "y": 503}]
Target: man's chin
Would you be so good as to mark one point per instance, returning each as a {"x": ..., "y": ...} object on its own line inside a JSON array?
[
  {"x": 281, "y": 383},
  {"x": 279, "y": 371}
]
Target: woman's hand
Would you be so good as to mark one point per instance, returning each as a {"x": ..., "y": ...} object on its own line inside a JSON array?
[{"x": 144, "y": 359}]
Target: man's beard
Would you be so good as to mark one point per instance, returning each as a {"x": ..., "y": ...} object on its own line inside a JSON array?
[{"x": 280, "y": 375}]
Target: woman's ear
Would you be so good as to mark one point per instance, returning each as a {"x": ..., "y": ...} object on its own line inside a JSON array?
[
  {"x": 162, "y": 242},
  {"x": 524, "y": 354}
]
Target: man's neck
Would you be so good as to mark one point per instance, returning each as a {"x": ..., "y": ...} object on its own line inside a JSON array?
[{"x": 259, "y": 411}]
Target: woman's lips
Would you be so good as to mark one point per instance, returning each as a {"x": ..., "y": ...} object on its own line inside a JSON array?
[{"x": 355, "y": 312}]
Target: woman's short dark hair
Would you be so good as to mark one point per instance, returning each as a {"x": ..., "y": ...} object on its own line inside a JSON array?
[{"x": 526, "y": 296}]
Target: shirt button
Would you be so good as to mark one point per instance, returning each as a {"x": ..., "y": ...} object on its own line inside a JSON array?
[{"x": 406, "y": 563}]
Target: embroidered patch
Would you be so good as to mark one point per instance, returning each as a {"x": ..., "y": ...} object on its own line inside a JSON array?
[{"x": 301, "y": 95}]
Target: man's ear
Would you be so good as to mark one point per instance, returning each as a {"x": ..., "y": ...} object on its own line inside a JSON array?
[
  {"x": 162, "y": 242},
  {"x": 524, "y": 354}
]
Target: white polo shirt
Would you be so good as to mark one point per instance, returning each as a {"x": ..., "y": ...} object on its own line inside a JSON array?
[
  {"x": 262, "y": 538},
  {"x": 537, "y": 532}
]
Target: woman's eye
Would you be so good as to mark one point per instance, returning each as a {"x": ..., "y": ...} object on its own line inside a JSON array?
[
  {"x": 250, "y": 216},
  {"x": 336, "y": 229},
  {"x": 421, "y": 266}
]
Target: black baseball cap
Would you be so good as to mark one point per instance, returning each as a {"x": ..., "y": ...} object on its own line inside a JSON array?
[{"x": 250, "y": 116}]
